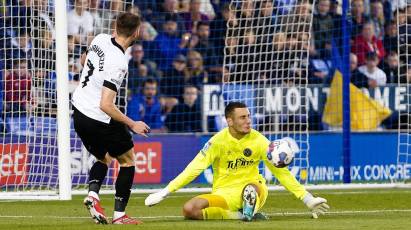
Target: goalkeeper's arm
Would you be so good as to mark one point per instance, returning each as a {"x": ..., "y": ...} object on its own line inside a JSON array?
[
  {"x": 196, "y": 166},
  {"x": 317, "y": 205}
]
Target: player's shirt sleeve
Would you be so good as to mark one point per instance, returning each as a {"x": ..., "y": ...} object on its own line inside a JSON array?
[
  {"x": 113, "y": 78},
  {"x": 202, "y": 161},
  {"x": 284, "y": 175}
]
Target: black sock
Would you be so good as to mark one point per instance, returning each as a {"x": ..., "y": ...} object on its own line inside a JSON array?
[
  {"x": 123, "y": 188},
  {"x": 97, "y": 174}
]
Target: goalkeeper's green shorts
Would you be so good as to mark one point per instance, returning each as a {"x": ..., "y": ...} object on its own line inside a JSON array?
[{"x": 231, "y": 198}]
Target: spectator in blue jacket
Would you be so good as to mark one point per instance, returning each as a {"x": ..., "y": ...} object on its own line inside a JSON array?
[
  {"x": 146, "y": 107},
  {"x": 168, "y": 43}
]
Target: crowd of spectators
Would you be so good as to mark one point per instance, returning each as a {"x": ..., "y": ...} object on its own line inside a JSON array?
[
  {"x": 185, "y": 44},
  {"x": 373, "y": 41}
]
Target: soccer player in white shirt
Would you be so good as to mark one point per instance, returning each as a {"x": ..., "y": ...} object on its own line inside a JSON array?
[{"x": 102, "y": 127}]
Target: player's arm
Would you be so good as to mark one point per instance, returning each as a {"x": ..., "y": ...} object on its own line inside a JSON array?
[
  {"x": 107, "y": 105},
  {"x": 287, "y": 180},
  {"x": 83, "y": 58},
  {"x": 318, "y": 205},
  {"x": 202, "y": 161}
]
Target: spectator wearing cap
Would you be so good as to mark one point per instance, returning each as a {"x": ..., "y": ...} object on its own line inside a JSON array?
[
  {"x": 186, "y": 116},
  {"x": 168, "y": 43},
  {"x": 173, "y": 81},
  {"x": 367, "y": 42},
  {"x": 146, "y": 107},
  {"x": 376, "y": 77}
]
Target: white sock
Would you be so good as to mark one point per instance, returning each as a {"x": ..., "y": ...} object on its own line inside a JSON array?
[
  {"x": 118, "y": 215},
  {"x": 94, "y": 194}
]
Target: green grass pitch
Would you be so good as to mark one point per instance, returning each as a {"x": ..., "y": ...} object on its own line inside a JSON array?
[{"x": 350, "y": 209}]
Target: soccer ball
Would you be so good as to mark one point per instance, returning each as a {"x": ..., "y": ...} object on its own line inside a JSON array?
[{"x": 281, "y": 152}]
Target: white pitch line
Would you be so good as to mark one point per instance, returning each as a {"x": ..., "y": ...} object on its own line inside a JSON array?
[
  {"x": 346, "y": 212},
  {"x": 279, "y": 193}
]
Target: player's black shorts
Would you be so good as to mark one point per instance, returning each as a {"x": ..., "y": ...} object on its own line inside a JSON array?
[{"x": 100, "y": 138}]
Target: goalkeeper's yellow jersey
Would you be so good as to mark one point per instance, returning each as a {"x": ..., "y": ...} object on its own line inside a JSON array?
[{"x": 235, "y": 163}]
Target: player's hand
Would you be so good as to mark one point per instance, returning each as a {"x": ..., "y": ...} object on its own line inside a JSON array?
[
  {"x": 140, "y": 127},
  {"x": 157, "y": 197},
  {"x": 317, "y": 205}
]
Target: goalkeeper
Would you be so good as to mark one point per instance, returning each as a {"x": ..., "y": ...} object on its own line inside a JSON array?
[{"x": 239, "y": 191}]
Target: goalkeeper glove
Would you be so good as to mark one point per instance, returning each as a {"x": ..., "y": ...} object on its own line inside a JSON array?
[
  {"x": 157, "y": 197},
  {"x": 317, "y": 205}
]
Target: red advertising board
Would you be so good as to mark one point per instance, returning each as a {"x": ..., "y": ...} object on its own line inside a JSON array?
[
  {"x": 147, "y": 158},
  {"x": 13, "y": 164},
  {"x": 147, "y": 162}
]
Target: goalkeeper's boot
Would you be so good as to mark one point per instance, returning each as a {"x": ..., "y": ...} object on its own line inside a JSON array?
[
  {"x": 249, "y": 202},
  {"x": 95, "y": 209},
  {"x": 260, "y": 216},
  {"x": 126, "y": 220}
]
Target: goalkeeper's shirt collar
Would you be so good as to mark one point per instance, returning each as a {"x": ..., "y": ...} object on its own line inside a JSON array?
[{"x": 231, "y": 138}]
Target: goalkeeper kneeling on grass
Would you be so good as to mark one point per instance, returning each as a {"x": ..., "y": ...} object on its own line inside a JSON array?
[{"x": 239, "y": 190}]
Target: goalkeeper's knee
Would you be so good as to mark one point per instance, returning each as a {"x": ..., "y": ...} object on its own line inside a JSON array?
[{"x": 191, "y": 211}]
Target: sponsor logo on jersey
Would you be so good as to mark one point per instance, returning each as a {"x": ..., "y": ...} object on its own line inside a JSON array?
[
  {"x": 239, "y": 163},
  {"x": 205, "y": 148},
  {"x": 117, "y": 82}
]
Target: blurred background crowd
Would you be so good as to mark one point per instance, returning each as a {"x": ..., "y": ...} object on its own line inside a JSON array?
[{"x": 182, "y": 45}]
